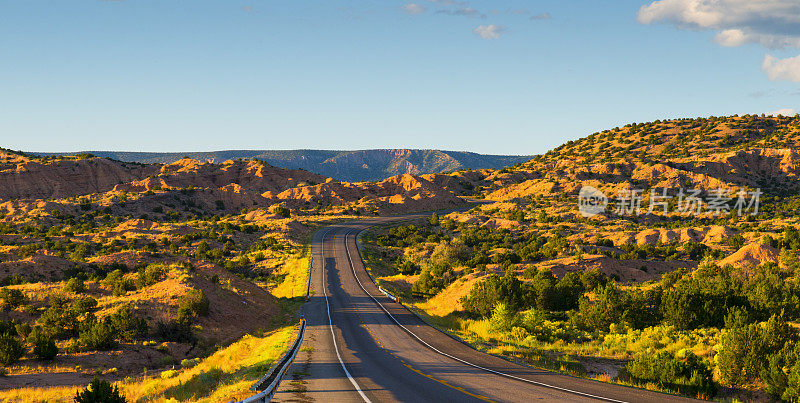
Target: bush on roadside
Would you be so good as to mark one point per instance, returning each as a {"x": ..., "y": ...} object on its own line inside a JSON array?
[
  {"x": 486, "y": 294},
  {"x": 503, "y": 318},
  {"x": 434, "y": 278},
  {"x": 746, "y": 348},
  {"x": 687, "y": 375}
]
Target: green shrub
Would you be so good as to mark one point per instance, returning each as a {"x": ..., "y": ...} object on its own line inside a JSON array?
[
  {"x": 8, "y": 326},
  {"x": 642, "y": 308},
  {"x": 12, "y": 279},
  {"x": 75, "y": 285},
  {"x": 776, "y": 376},
  {"x": 179, "y": 332},
  {"x": 100, "y": 391},
  {"x": 688, "y": 306},
  {"x": 543, "y": 286},
  {"x": 118, "y": 285},
  {"x": 282, "y": 211},
  {"x": 592, "y": 279},
  {"x": 194, "y": 303},
  {"x": 201, "y": 385},
  {"x": 792, "y": 390},
  {"x": 190, "y": 362},
  {"x": 83, "y": 305},
  {"x": 568, "y": 291},
  {"x": 688, "y": 375},
  {"x": 434, "y": 278},
  {"x": 12, "y": 298},
  {"x": 453, "y": 253},
  {"x": 44, "y": 347},
  {"x": 407, "y": 267},
  {"x": 23, "y": 329},
  {"x": 746, "y": 348},
  {"x": 150, "y": 275},
  {"x": 11, "y": 349},
  {"x": 503, "y": 318},
  {"x": 126, "y": 325},
  {"x": 80, "y": 253},
  {"x": 59, "y": 321},
  {"x": 608, "y": 308},
  {"x": 529, "y": 272},
  {"x": 483, "y": 296},
  {"x": 486, "y": 294},
  {"x": 99, "y": 336}
]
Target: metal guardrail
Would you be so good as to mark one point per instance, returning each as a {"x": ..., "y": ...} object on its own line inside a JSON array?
[
  {"x": 276, "y": 372},
  {"x": 310, "y": 271},
  {"x": 388, "y": 294}
]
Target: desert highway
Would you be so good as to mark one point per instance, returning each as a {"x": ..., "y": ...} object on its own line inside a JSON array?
[{"x": 359, "y": 346}]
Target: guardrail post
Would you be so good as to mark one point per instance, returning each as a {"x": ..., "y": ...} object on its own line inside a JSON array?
[{"x": 277, "y": 370}]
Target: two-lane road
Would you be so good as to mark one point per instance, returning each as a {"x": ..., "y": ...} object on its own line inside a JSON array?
[{"x": 361, "y": 346}]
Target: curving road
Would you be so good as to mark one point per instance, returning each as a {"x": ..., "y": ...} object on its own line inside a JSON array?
[{"x": 359, "y": 346}]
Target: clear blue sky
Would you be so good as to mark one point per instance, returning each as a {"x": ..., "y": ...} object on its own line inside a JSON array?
[{"x": 509, "y": 77}]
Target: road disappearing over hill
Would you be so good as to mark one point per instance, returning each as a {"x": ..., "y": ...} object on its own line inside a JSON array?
[{"x": 359, "y": 345}]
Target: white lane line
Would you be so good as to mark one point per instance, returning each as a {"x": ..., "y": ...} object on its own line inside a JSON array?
[
  {"x": 330, "y": 324},
  {"x": 347, "y": 249}
]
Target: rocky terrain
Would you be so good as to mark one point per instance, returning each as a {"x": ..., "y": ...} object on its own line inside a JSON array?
[
  {"x": 153, "y": 274},
  {"x": 114, "y": 266},
  {"x": 31, "y": 184},
  {"x": 351, "y": 166},
  {"x": 519, "y": 276},
  {"x": 730, "y": 152}
]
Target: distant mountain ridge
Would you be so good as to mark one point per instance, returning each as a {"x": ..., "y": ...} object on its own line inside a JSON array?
[{"x": 350, "y": 166}]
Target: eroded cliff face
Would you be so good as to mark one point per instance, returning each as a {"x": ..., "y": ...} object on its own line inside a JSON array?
[
  {"x": 21, "y": 177},
  {"x": 398, "y": 193},
  {"x": 248, "y": 175},
  {"x": 40, "y": 186},
  {"x": 349, "y": 166}
]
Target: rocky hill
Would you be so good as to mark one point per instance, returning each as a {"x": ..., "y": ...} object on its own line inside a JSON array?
[
  {"x": 629, "y": 276},
  {"x": 351, "y": 166},
  {"x": 33, "y": 185},
  {"x": 23, "y": 176},
  {"x": 706, "y": 153},
  {"x": 754, "y": 151}
]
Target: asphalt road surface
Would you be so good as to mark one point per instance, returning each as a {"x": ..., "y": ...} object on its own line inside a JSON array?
[{"x": 359, "y": 346}]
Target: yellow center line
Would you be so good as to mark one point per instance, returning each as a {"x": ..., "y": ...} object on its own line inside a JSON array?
[
  {"x": 443, "y": 382},
  {"x": 447, "y": 384}
]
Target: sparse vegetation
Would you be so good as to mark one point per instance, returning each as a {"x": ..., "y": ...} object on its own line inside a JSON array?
[
  {"x": 703, "y": 305},
  {"x": 692, "y": 304},
  {"x": 100, "y": 390}
]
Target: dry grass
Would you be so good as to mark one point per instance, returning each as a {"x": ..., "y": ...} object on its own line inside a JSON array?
[
  {"x": 605, "y": 377},
  {"x": 449, "y": 300},
  {"x": 225, "y": 375},
  {"x": 295, "y": 281}
]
